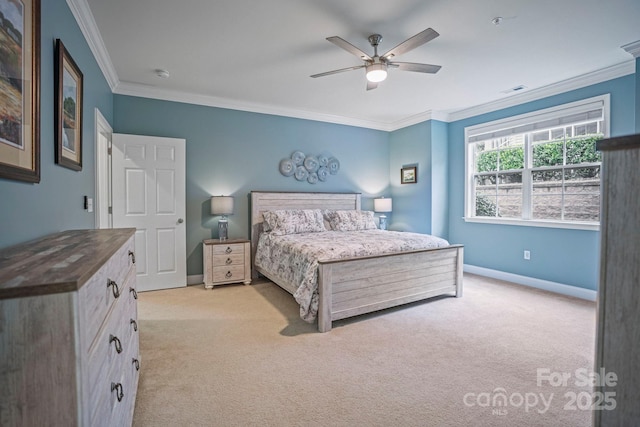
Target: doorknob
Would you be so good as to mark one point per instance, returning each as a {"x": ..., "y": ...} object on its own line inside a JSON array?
[{"x": 180, "y": 220}]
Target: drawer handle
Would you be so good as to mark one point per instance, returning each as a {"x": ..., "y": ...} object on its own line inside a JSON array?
[
  {"x": 115, "y": 289},
  {"x": 228, "y": 261},
  {"x": 229, "y": 250},
  {"x": 132, "y": 256},
  {"x": 228, "y": 275},
  {"x": 116, "y": 342},
  {"x": 135, "y": 294},
  {"x": 136, "y": 363},
  {"x": 118, "y": 389},
  {"x": 135, "y": 325}
]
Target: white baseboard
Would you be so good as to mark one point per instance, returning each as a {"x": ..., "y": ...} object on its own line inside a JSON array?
[
  {"x": 196, "y": 279},
  {"x": 559, "y": 288}
]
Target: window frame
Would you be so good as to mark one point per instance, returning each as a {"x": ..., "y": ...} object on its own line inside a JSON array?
[{"x": 601, "y": 101}]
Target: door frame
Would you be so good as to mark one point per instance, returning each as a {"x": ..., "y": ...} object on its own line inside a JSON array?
[{"x": 103, "y": 198}]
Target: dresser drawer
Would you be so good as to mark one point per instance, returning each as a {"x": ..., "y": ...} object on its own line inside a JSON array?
[
  {"x": 224, "y": 260},
  {"x": 114, "y": 335},
  {"x": 103, "y": 290},
  {"x": 228, "y": 274},
  {"x": 105, "y": 365},
  {"x": 109, "y": 410},
  {"x": 231, "y": 248},
  {"x": 124, "y": 377}
]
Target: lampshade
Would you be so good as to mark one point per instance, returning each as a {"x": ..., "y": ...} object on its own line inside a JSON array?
[
  {"x": 382, "y": 205},
  {"x": 221, "y": 205},
  {"x": 376, "y": 72}
]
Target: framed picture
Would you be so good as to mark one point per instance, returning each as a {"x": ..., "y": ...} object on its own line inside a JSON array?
[
  {"x": 68, "y": 110},
  {"x": 409, "y": 175},
  {"x": 20, "y": 90}
]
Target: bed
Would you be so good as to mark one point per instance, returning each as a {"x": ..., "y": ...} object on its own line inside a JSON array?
[{"x": 356, "y": 285}]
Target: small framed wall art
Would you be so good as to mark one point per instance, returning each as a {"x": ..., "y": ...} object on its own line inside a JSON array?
[
  {"x": 409, "y": 175},
  {"x": 20, "y": 90},
  {"x": 68, "y": 110}
]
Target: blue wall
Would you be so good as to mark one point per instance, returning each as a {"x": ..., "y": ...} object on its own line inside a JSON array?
[
  {"x": 411, "y": 146},
  {"x": 440, "y": 179},
  {"x": 420, "y": 207},
  {"x": 565, "y": 256},
  {"x": 637, "y": 93},
  {"x": 27, "y": 210},
  {"x": 234, "y": 152}
]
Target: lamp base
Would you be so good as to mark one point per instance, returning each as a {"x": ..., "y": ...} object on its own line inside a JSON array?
[
  {"x": 383, "y": 222},
  {"x": 223, "y": 226}
]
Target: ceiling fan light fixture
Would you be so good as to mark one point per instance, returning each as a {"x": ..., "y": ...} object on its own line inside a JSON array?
[{"x": 376, "y": 72}]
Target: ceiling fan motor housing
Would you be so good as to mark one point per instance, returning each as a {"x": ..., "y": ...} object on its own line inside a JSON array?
[{"x": 375, "y": 40}]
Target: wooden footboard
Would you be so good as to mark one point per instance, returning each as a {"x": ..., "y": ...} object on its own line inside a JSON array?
[{"x": 355, "y": 286}]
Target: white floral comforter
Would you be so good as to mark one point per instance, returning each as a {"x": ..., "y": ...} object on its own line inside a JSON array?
[{"x": 294, "y": 257}]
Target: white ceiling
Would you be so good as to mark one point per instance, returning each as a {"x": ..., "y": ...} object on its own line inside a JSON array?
[{"x": 258, "y": 55}]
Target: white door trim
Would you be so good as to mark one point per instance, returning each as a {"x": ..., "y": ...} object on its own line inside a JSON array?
[{"x": 103, "y": 218}]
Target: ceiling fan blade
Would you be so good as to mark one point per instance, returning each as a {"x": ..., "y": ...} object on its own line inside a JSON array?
[
  {"x": 412, "y": 66},
  {"x": 371, "y": 85},
  {"x": 412, "y": 43},
  {"x": 340, "y": 42},
  {"x": 341, "y": 70}
]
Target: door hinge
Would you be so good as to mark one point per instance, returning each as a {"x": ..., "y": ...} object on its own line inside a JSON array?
[
  {"x": 109, "y": 151},
  {"x": 110, "y": 210}
]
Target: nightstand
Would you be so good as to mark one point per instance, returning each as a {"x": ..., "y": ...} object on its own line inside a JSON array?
[{"x": 227, "y": 261}]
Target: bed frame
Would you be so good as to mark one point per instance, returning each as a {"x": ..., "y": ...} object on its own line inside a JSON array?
[{"x": 353, "y": 286}]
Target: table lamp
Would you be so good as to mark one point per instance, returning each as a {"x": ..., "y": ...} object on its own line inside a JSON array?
[
  {"x": 382, "y": 205},
  {"x": 222, "y": 205}
]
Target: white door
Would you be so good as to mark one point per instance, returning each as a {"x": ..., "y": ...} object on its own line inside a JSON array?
[{"x": 149, "y": 195}]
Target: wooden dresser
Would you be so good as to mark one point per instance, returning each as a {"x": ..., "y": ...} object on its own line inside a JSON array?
[
  {"x": 618, "y": 342},
  {"x": 68, "y": 330}
]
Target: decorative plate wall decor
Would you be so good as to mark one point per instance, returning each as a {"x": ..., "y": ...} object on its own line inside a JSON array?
[{"x": 310, "y": 168}]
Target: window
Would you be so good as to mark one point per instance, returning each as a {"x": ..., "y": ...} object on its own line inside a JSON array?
[{"x": 538, "y": 169}]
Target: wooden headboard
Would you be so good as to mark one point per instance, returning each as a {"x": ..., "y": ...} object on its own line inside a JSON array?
[{"x": 262, "y": 201}]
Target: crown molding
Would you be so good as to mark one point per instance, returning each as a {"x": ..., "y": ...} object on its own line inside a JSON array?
[
  {"x": 419, "y": 118},
  {"x": 82, "y": 12},
  {"x": 598, "y": 76},
  {"x": 633, "y": 48},
  {"x": 145, "y": 91}
]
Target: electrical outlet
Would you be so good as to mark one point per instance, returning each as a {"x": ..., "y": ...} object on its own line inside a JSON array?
[{"x": 527, "y": 255}]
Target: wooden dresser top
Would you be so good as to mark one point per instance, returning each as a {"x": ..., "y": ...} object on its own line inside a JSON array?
[{"x": 60, "y": 262}]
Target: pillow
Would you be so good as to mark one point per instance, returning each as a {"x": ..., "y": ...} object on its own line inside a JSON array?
[
  {"x": 325, "y": 218},
  {"x": 351, "y": 220},
  {"x": 294, "y": 221}
]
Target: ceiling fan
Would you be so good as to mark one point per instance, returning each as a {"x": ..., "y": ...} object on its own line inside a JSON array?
[{"x": 376, "y": 66}]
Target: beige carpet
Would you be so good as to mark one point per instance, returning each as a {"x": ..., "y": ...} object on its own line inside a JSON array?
[{"x": 240, "y": 356}]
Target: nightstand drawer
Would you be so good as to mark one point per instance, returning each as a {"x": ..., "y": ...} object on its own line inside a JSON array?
[
  {"x": 228, "y": 249},
  {"x": 226, "y": 274},
  {"x": 224, "y": 260}
]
